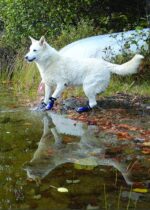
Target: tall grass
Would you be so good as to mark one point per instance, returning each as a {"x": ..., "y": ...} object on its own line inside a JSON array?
[{"x": 26, "y": 77}]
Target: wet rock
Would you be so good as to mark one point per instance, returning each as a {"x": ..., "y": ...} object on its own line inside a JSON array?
[
  {"x": 72, "y": 103},
  {"x": 139, "y": 140},
  {"x": 137, "y": 104}
]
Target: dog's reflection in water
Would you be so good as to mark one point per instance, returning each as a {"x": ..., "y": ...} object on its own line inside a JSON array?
[{"x": 84, "y": 148}]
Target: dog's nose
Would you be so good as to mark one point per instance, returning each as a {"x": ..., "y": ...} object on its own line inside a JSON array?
[{"x": 26, "y": 57}]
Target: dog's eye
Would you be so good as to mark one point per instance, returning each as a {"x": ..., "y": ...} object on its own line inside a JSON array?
[{"x": 34, "y": 50}]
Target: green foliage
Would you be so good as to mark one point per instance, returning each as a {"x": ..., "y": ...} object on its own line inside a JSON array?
[
  {"x": 83, "y": 29},
  {"x": 21, "y": 18}
]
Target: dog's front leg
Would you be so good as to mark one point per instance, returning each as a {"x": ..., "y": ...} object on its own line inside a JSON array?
[
  {"x": 47, "y": 93},
  {"x": 55, "y": 95},
  {"x": 44, "y": 103},
  {"x": 59, "y": 90}
]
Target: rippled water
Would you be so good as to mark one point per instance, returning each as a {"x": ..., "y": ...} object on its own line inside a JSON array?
[{"x": 42, "y": 152}]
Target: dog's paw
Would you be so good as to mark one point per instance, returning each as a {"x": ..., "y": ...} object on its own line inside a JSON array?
[
  {"x": 50, "y": 104},
  {"x": 83, "y": 109}
]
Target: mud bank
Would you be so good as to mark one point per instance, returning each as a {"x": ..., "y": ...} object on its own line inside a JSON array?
[{"x": 137, "y": 104}]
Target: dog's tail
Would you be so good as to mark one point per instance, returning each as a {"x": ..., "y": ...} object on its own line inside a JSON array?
[{"x": 129, "y": 67}]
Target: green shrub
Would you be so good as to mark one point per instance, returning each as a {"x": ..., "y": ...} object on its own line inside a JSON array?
[
  {"x": 21, "y": 18},
  {"x": 83, "y": 29}
]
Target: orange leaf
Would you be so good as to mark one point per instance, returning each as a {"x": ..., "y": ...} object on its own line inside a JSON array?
[
  {"x": 147, "y": 144},
  {"x": 146, "y": 151},
  {"x": 129, "y": 127},
  {"x": 124, "y": 136},
  {"x": 140, "y": 190}
]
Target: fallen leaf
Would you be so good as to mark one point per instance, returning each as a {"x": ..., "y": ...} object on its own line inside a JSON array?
[
  {"x": 37, "y": 197},
  {"x": 27, "y": 123},
  {"x": 85, "y": 163},
  {"x": 140, "y": 190},
  {"x": 7, "y": 132},
  {"x": 70, "y": 181},
  {"x": 62, "y": 189},
  {"x": 83, "y": 167},
  {"x": 146, "y": 151},
  {"x": 147, "y": 144},
  {"x": 124, "y": 136},
  {"x": 128, "y": 127}
]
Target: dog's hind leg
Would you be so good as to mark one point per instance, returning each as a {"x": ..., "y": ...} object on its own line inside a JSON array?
[{"x": 92, "y": 100}]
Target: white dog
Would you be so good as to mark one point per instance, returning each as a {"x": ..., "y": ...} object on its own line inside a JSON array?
[{"x": 61, "y": 71}]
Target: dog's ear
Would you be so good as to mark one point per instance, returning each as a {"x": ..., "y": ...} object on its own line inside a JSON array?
[
  {"x": 42, "y": 41},
  {"x": 32, "y": 39}
]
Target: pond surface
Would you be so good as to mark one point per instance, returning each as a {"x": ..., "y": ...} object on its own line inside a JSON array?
[{"x": 44, "y": 154}]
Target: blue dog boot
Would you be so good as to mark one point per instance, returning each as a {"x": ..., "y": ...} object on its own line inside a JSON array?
[
  {"x": 50, "y": 103},
  {"x": 83, "y": 109}
]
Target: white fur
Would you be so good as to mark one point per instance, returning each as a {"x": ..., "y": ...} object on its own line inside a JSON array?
[{"x": 61, "y": 71}]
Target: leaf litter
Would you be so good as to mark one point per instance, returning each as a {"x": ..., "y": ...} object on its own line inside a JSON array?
[{"x": 122, "y": 116}]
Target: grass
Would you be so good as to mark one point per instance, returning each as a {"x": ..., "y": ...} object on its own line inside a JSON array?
[
  {"x": 26, "y": 78},
  {"x": 128, "y": 86}
]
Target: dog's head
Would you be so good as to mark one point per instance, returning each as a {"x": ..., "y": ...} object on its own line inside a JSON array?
[{"x": 36, "y": 49}]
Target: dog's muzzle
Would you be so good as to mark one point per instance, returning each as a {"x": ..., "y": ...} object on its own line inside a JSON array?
[{"x": 29, "y": 59}]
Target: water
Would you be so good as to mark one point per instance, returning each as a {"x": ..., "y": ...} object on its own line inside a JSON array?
[{"x": 42, "y": 152}]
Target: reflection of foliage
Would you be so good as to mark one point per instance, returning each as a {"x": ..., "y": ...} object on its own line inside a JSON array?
[
  {"x": 1, "y": 25},
  {"x": 22, "y": 18}
]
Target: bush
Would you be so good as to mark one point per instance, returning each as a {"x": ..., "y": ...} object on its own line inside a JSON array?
[
  {"x": 7, "y": 59},
  {"x": 83, "y": 29},
  {"x": 21, "y": 18}
]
